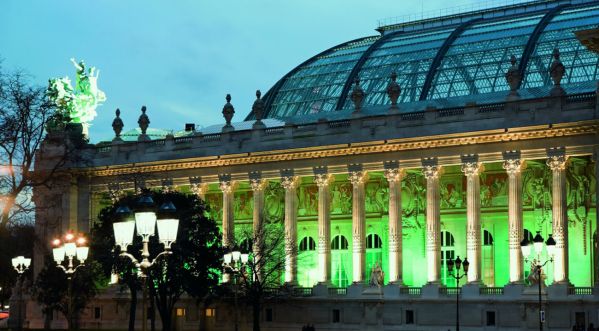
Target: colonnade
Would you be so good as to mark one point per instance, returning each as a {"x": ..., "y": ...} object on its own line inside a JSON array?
[{"x": 471, "y": 167}]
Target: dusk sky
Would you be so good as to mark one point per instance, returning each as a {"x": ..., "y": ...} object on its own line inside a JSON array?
[{"x": 180, "y": 58}]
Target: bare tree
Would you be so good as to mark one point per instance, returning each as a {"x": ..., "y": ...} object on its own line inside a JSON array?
[
  {"x": 25, "y": 110},
  {"x": 261, "y": 280}
]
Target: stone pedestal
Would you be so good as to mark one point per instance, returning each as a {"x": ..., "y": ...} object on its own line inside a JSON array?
[{"x": 430, "y": 291}]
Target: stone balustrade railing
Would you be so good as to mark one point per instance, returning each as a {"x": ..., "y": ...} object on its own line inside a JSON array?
[{"x": 369, "y": 127}]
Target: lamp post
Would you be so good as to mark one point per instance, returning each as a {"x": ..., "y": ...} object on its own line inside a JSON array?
[
  {"x": 235, "y": 263},
  {"x": 145, "y": 222},
  {"x": 458, "y": 266},
  {"x": 20, "y": 264},
  {"x": 75, "y": 250},
  {"x": 537, "y": 243}
]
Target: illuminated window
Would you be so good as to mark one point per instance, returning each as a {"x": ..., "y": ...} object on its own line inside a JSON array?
[
  {"x": 180, "y": 312},
  {"x": 340, "y": 259},
  {"x": 210, "y": 312},
  {"x": 307, "y": 244},
  {"x": 339, "y": 243},
  {"x": 447, "y": 253},
  {"x": 487, "y": 238},
  {"x": 374, "y": 241}
]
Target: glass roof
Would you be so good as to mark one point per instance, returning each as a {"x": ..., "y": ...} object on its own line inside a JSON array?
[
  {"x": 410, "y": 56},
  {"x": 477, "y": 61},
  {"x": 581, "y": 64},
  {"x": 457, "y": 63},
  {"x": 316, "y": 86}
]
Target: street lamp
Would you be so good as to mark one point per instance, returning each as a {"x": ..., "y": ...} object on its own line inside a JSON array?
[
  {"x": 235, "y": 262},
  {"x": 20, "y": 264},
  {"x": 75, "y": 250},
  {"x": 450, "y": 267},
  {"x": 145, "y": 221},
  {"x": 537, "y": 243}
]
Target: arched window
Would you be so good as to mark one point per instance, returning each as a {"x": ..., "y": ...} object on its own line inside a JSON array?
[
  {"x": 487, "y": 238},
  {"x": 373, "y": 241},
  {"x": 307, "y": 244},
  {"x": 339, "y": 243},
  {"x": 447, "y": 253}
]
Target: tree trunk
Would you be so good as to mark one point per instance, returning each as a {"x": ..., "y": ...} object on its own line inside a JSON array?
[
  {"x": 167, "y": 319},
  {"x": 153, "y": 313},
  {"x": 256, "y": 316},
  {"x": 48, "y": 318},
  {"x": 132, "y": 307}
]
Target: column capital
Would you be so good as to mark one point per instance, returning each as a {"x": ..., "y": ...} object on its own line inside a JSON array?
[
  {"x": 358, "y": 177},
  {"x": 289, "y": 182},
  {"x": 323, "y": 180},
  {"x": 394, "y": 175},
  {"x": 431, "y": 168},
  {"x": 556, "y": 158},
  {"x": 470, "y": 165},
  {"x": 256, "y": 181},
  {"x": 197, "y": 187},
  {"x": 512, "y": 162},
  {"x": 167, "y": 184},
  {"x": 225, "y": 183}
]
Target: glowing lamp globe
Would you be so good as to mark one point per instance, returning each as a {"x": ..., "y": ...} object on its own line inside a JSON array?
[
  {"x": 70, "y": 249},
  {"x": 145, "y": 223},
  {"x": 227, "y": 258},
  {"x": 236, "y": 256},
  {"x": 26, "y": 262},
  {"x": 123, "y": 233},
  {"x": 58, "y": 253},
  {"x": 167, "y": 231},
  {"x": 537, "y": 242},
  {"x": 245, "y": 258},
  {"x": 82, "y": 253},
  {"x": 16, "y": 261}
]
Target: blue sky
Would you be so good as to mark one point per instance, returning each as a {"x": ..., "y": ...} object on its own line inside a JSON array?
[{"x": 180, "y": 58}]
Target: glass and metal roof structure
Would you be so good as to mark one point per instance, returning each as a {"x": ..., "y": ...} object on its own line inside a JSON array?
[{"x": 446, "y": 61}]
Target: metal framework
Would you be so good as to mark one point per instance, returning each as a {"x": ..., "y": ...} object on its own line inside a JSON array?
[{"x": 440, "y": 61}]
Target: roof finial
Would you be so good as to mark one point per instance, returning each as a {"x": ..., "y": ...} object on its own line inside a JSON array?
[
  {"x": 258, "y": 110},
  {"x": 557, "y": 70},
  {"x": 144, "y": 122},
  {"x": 228, "y": 112},
  {"x": 357, "y": 96},
  {"x": 393, "y": 91},
  {"x": 513, "y": 78},
  {"x": 117, "y": 126}
]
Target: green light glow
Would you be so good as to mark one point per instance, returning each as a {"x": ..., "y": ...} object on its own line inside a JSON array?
[
  {"x": 80, "y": 103},
  {"x": 536, "y": 198}
]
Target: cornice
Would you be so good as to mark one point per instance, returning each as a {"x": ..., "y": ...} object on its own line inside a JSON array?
[{"x": 374, "y": 147}]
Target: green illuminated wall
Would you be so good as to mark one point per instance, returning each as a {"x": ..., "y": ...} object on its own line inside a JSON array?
[{"x": 536, "y": 179}]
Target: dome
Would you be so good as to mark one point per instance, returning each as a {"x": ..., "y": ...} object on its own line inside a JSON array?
[{"x": 446, "y": 61}]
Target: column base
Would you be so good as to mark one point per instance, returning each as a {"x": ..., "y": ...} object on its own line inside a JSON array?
[
  {"x": 398, "y": 282},
  {"x": 430, "y": 290},
  {"x": 321, "y": 289}
]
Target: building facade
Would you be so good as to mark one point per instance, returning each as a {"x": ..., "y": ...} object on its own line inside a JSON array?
[{"x": 445, "y": 137}]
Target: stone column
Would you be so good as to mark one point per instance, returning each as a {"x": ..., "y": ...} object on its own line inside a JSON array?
[
  {"x": 394, "y": 176},
  {"x": 432, "y": 173},
  {"x": 227, "y": 187},
  {"x": 557, "y": 163},
  {"x": 472, "y": 168},
  {"x": 198, "y": 188},
  {"x": 323, "y": 179},
  {"x": 513, "y": 166},
  {"x": 258, "y": 184},
  {"x": 290, "y": 183},
  {"x": 358, "y": 177}
]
